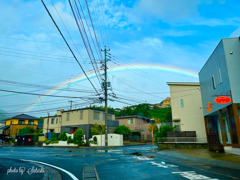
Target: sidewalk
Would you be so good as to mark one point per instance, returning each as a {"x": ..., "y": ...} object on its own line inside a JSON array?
[{"x": 205, "y": 156}]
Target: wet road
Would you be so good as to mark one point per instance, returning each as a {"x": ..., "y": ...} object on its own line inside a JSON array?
[{"x": 132, "y": 162}]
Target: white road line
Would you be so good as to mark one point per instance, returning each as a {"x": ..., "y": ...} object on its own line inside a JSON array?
[{"x": 70, "y": 174}]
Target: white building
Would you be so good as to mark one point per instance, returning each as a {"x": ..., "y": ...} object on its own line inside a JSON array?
[{"x": 187, "y": 112}]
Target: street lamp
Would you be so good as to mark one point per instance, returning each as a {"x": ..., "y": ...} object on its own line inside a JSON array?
[
  {"x": 152, "y": 122},
  {"x": 100, "y": 128}
]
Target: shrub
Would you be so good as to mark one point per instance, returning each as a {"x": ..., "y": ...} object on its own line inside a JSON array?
[
  {"x": 64, "y": 137},
  {"x": 78, "y": 136},
  {"x": 53, "y": 136},
  {"x": 95, "y": 140},
  {"x": 162, "y": 133},
  {"x": 55, "y": 141},
  {"x": 13, "y": 140},
  {"x": 70, "y": 140},
  {"x": 124, "y": 130},
  {"x": 51, "y": 142},
  {"x": 35, "y": 138},
  {"x": 45, "y": 140},
  {"x": 60, "y": 137}
]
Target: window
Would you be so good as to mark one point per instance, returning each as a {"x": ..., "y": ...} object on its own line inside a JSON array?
[
  {"x": 130, "y": 121},
  {"x": 11, "y": 122},
  {"x": 109, "y": 117},
  {"x": 56, "y": 120},
  {"x": 52, "y": 121},
  {"x": 213, "y": 81},
  {"x": 177, "y": 127},
  {"x": 21, "y": 122},
  {"x": 30, "y": 122},
  {"x": 181, "y": 101},
  {"x": 219, "y": 77},
  {"x": 81, "y": 115},
  {"x": 68, "y": 116},
  {"x": 168, "y": 101},
  {"x": 96, "y": 115}
]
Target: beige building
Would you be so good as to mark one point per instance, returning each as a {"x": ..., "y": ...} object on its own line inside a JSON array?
[
  {"x": 187, "y": 112},
  {"x": 72, "y": 120},
  {"x": 136, "y": 124}
]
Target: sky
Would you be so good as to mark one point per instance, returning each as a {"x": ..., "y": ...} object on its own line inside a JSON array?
[{"x": 151, "y": 42}]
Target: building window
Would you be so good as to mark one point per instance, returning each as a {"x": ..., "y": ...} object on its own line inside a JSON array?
[
  {"x": 130, "y": 121},
  {"x": 213, "y": 81},
  {"x": 219, "y": 76},
  {"x": 96, "y": 115},
  {"x": 21, "y": 122},
  {"x": 168, "y": 101},
  {"x": 30, "y": 122},
  {"x": 81, "y": 115},
  {"x": 56, "y": 120},
  {"x": 68, "y": 116},
  {"x": 11, "y": 122},
  {"x": 109, "y": 117},
  {"x": 52, "y": 121},
  {"x": 177, "y": 127},
  {"x": 181, "y": 101}
]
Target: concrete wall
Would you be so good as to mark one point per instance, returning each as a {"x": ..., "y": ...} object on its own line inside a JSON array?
[
  {"x": 113, "y": 139},
  {"x": 190, "y": 115}
]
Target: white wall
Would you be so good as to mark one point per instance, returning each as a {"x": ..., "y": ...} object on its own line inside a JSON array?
[
  {"x": 113, "y": 139},
  {"x": 190, "y": 115}
]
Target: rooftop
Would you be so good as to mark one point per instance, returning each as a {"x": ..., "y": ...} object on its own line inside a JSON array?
[
  {"x": 134, "y": 116},
  {"x": 183, "y": 83},
  {"x": 23, "y": 116}
]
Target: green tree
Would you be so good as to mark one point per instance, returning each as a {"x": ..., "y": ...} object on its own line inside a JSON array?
[
  {"x": 124, "y": 130},
  {"x": 26, "y": 131},
  {"x": 41, "y": 120},
  {"x": 95, "y": 130},
  {"x": 53, "y": 137},
  {"x": 162, "y": 133},
  {"x": 78, "y": 136}
]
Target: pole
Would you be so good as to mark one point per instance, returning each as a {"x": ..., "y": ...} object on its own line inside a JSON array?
[
  {"x": 47, "y": 125},
  {"x": 101, "y": 138},
  {"x": 152, "y": 139},
  {"x": 105, "y": 93},
  {"x": 70, "y": 104}
]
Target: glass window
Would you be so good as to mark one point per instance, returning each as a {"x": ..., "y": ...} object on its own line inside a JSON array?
[
  {"x": 219, "y": 76},
  {"x": 81, "y": 115},
  {"x": 181, "y": 101},
  {"x": 52, "y": 121},
  {"x": 56, "y": 120},
  {"x": 21, "y": 122},
  {"x": 213, "y": 81},
  {"x": 96, "y": 115},
  {"x": 109, "y": 117},
  {"x": 177, "y": 127},
  {"x": 30, "y": 122},
  {"x": 68, "y": 116},
  {"x": 130, "y": 121}
]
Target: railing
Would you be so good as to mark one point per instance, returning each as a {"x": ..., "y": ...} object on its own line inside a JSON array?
[{"x": 184, "y": 139}]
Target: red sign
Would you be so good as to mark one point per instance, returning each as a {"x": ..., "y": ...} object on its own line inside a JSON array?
[{"x": 222, "y": 100}]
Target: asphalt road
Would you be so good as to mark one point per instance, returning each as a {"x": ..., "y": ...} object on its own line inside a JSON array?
[{"x": 120, "y": 163}]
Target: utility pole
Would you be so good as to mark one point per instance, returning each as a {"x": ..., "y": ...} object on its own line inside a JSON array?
[
  {"x": 47, "y": 125},
  {"x": 105, "y": 85},
  {"x": 71, "y": 104}
]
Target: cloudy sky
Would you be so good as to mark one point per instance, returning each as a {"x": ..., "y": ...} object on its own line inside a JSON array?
[{"x": 177, "y": 36}]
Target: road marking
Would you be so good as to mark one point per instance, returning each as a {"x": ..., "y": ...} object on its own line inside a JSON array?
[
  {"x": 67, "y": 172},
  {"x": 163, "y": 164},
  {"x": 193, "y": 175}
]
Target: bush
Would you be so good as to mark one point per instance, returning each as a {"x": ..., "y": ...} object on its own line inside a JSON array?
[
  {"x": 70, "y": 140},
  {"x": 26, "y": 130},
  {"x": 55, "y": 141},
  {"x": 162, "y": 133},
  {"x": 64, "y": 137},
  {"x": 35, "y": 138},
  {"x": 47, "y": 141},
  {"x": 95, "y": 140},
  {"x": 13, "y": 140},
  {"x": 78, "y": 136},
  {"x": 51, "y": 142},
  {"x": 53, "y": 137},
  {"x": 124, "y": 130},
  {"x": 60, "y": 137}
]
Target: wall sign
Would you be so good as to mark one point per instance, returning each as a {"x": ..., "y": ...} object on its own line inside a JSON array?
[
  {"x": 222, "y": 100},
  {"x": 209, "y": 106}
]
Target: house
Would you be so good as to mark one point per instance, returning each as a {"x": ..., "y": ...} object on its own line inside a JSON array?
[
  {"x": 166, "y": 103},
  {"x": 187, "y": 114},
  {"x": 117, "y": 109},
  {"x": 136, "y": 124},
  {"x": 14, "y": 124},
  {"x": 2, "y": 124},
  {"x": 83, "y": 118},
  {"x": 220, "y": 86}
]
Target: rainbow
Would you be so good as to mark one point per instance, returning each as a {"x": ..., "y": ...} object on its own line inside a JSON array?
[{"x": 82, "y": 77}]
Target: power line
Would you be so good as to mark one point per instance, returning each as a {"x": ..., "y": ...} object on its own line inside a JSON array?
[{"x": 69, "y": 47}]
